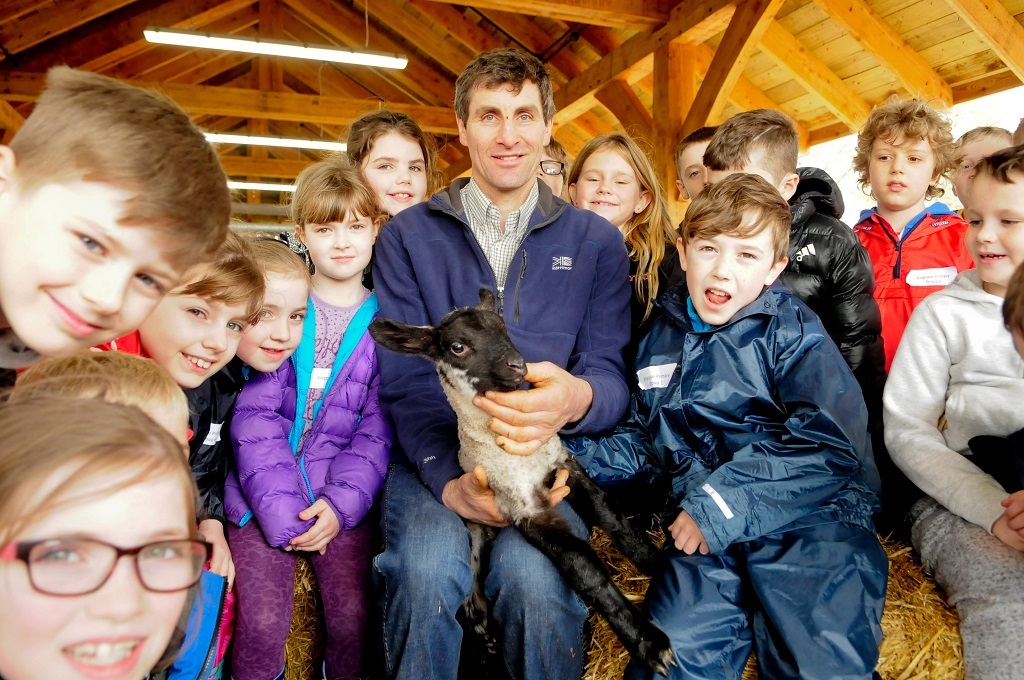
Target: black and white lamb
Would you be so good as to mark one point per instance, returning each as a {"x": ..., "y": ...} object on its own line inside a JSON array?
[{"x": 473, "y": 353}]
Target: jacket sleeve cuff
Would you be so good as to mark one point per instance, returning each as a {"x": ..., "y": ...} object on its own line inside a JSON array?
[
  {"x": 611, "y": 397},
  {"x": 437, "y": 476}
]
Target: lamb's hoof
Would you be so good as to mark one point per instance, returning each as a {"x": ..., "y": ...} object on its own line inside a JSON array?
[{"x": 655, "y": 650}]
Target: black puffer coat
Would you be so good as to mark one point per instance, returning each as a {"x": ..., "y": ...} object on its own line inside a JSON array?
[{"x": 831, "y": 272}]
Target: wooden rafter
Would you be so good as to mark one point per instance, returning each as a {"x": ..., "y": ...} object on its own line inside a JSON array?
[
  {"x": 688, "y": 22},
  {"x": 251, "y": 103},
  {"x": 615, "y": 13},
  {"x": 998, "y": 27},
  {"x": 865, "y": 26},
  {"x": 243, "y": 166},
  {"x": 9, "y": 118},
  {"x": 675, "y": 88},
  {"x": 815, "y": 76},
  {"x": 566, "y": 63},
  {"x": 457, "y": 24},
  {"x": 741, "y": 38},
  {"x": 450, "y": 55},
  {"x": 49, "y": 22},
  {"x": 619, "y": 98},
  {"x": 13, "y": 10}
]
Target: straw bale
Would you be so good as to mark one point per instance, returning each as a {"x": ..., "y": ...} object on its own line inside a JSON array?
[
  {"x": 306, "y": 638},
  {"x": 921, "y": 631}
]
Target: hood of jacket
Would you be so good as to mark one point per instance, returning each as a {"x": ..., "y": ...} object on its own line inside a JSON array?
[
  {"x": 967, "y": 286},
  {"x": 817, "y": 193}
]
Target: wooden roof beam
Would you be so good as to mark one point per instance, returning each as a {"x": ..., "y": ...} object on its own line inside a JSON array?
[
  {"x": 567, "y": 64},
  {"x": 251, "y": 103},
  {"x": 886, "y": 45},
  {"x": 675, "y": 89},
  {"x": 458, "y": 25},
  {"x": 9, "y": 118},
  {"x": 449, "y": 55},
  {"x": 243, "y": 166},
  {"x": 741, "y": 38},
  {"x": 688, "y": 22},
  {"x": 998, "y": 27},
  {"x": 15, "y": 9},
  {"x": 49, "y": 22},
  {"x": 619, "y": 98},
  {"x": 815, "y": 76},
  {"x": 614, "y": 13}
]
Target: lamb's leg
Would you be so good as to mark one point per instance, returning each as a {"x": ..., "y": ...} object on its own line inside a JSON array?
[
  {"x": 584, "y": 571},
  {"x": 591, "y": 502},
  {"x": 477, "y": 608}
]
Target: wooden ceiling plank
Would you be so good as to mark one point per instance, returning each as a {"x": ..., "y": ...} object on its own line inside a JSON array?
[
  {"x": 345, "y": 25},
  {"x": 450, "y": 55},
  {"x": 619, "y": 98},
  {"x": 688, "y": 22},
  {"x": 998, "y": 27},
  {"x": 614, "y": 13},
  {"x": 741, "y": 38},
  {"x": 525, "y": 30},
  {"x": 13, "y": 10},
  {"x": 49, "y": 22},
  {"x": 815, "y": 76},
  {"x": 9, "y": 118},
  {"x": 252, "y": 103},
  {"x": 243, "y": 166},
  {"x": 865, "y": 26},
  {"x": 199, "y": 73},
  {"x": 328, "y": 81},
  {"x": 458, "y": 25}
]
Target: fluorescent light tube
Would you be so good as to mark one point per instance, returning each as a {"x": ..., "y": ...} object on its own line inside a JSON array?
[
  {"x": 253, "y": 140},
  {"x": 278, "y": 48},
  {"x": 261, "y": 186}
]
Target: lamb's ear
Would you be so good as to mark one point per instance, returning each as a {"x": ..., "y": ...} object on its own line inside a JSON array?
[
  {"x": 406, "y": 339},
  {"x": 486, "y": 300}
]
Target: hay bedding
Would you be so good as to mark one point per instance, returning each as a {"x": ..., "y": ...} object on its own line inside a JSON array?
[{"x": 922, "y": 634}]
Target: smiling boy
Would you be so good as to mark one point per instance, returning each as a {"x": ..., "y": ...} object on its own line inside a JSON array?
[
  {"x": 93, "y": 232},
  {"x": 903, "y": 150},
  {"x": 750, "y": 410}
]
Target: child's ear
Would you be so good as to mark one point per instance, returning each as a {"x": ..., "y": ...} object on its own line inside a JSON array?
[
  {"x": 681, "y": 248},
  {"x": 683, "y": 195},
  {"x": 788, "y": 185},
  {"x": 8, "y": 165},
  {"x": 572, "y": 195},
  {"x": 776, "y": 269},
  {"x": 645, "y": 200},
  {"x": 298, "y": 233}
]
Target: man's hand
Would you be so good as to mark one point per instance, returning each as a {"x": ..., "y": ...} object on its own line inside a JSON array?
[
  {"x": 687, "y": 535},
  {"x": 470, "y": 497},
  {"x": 1014, "y": 504},
  {"x": 1004, "y": 533},
  {"x": 323, "y": 530},
  {"x": 220, "y": 562},
  {"x": 525, "y": 419}
]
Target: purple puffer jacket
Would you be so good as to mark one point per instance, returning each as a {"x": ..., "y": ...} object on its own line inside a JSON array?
[{"x": 343, "y": 459}]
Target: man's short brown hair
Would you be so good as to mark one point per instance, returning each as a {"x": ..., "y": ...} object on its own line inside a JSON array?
[
  {"x": 89, "y": 127},
  {"x": 702, "y": 134},
  {"x": 1013, "y": 306},
  {"x": 727, "y": 207},
  {"x": 765, "y": 130},
  {"x": 907, "y": 119},
  {"x": 499, "y": 68},
  {"x": 232, "y": 278}
]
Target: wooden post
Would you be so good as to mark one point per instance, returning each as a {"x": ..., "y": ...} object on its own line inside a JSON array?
[{"x": 675, "y": 87}]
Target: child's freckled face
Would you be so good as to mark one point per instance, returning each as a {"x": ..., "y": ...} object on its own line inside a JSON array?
[
  {"x": 725, "y": 273},
  {"x": 608, "y": 186},
  {"x": 397, "y": 171},
  {"x": 995, "y": 232},
  {"x": 340, "y": 250},
  {"x": 267, "y": 344},
  {"x": 71, "y": 275}
]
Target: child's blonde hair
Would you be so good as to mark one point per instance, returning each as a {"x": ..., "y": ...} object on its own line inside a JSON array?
[
  {"x": 984, "y": 132},
  {"x": 368, "y": 128},
  {"x": 232, "y": 278},
  {"x": 726, "y": 207},
  {"x": 275, "y": 257},
  {"x": 98, "y": 440},
  {"x": 330, "y": 189},
  {"x": 909, "y": 119},
  {"x": 648, "y": 234},
  {"x": 89, "y": 127},
  {"x": 112, "y": 376}
]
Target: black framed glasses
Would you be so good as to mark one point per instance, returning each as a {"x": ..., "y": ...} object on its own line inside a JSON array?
[
  {"x": 551, "y": 167},
  {"x": 79, "y": 566}
]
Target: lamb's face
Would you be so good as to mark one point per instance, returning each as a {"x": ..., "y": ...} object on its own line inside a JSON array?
[{"x": 474, "y": 343}]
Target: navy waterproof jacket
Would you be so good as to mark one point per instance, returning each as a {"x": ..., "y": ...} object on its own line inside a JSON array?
[
  {"x": 759, "y": 423},
  {"x": 566, "y": 300}
]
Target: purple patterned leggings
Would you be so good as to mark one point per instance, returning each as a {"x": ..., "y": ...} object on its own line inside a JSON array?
[{"x": 264, "y": 582}]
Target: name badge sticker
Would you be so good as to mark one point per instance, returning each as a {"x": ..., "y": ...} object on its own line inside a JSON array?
[
  {"x": 318, "y": 380},
  {"x": 939, "y": 276},
  {"x": 654, "y": 377},
  {"x": 213, "y": 436}
]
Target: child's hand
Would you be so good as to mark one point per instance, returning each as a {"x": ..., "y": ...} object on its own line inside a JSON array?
[
  {"x": 220, "y": 562},
  {"x": 1014, "y": 504},
  {"x": 687, "y": 535},
  {"x": 321, "y": 533},
  {"x": 1004, "y": 533},
  {"x": 559, "y": 489}
]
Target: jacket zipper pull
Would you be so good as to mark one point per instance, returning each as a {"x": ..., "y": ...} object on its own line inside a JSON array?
[
  {"x": 522, "y": 275},
  {"x": 501, "y": 301},
  {"x": 899, "y": 258}
]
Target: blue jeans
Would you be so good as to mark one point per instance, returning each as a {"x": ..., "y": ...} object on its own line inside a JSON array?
[{"x": 424, "y": 577}]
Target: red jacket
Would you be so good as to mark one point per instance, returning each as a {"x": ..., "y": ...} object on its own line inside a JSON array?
[
  {"x": 927, "y": 258},
  {"x": 129, "y": 344}
]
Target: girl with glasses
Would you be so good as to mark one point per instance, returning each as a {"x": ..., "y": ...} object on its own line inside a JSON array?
[{"x": 98, "y": 542}]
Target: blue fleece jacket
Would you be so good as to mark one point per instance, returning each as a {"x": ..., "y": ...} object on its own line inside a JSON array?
[{"x": 566, "y": 301}]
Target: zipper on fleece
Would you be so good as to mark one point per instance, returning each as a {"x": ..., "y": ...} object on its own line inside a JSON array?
[
  {"x": 216, "y": 634},
  {"x": 515, "y": 297}
]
